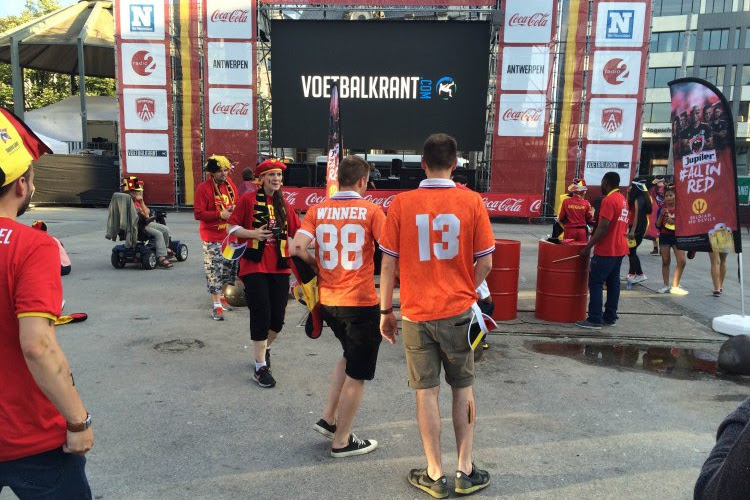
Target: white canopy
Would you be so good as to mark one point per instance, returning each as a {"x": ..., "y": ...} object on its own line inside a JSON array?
[{"x": 61, "y": 121}]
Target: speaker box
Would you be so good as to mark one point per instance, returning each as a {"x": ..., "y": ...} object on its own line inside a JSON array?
[
  {"x": 297, "y": 174},
  {"x": 411, "y": 177}
]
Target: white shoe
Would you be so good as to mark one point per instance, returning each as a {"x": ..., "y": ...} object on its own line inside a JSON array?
[
  {"x": 630, "y": 277},
  {"x": 639, "y": 278},
  {"x": 678, "y": 290},
  {"x": 664, "y": 289}
]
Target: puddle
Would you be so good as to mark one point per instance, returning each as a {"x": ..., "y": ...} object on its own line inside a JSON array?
[
  {"x": 672, "y": 362},
  {"x": 179, "y": 345}
]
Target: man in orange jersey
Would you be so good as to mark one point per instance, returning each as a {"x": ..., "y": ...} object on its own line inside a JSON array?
[
  {"x": 345, "y": 228},
  {"x": 435, "y": 233},
  {"x": 576, "y": 213}
]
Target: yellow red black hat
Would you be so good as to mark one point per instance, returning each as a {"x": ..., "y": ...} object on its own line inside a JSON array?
[
  {"x": 19, "y": 146},
  {"x": 218, "y": 162},
  {"x": 131, "y": 184},
  {"x": 40, "y": 225}
]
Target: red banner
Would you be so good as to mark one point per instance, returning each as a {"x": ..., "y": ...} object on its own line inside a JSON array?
[
  {"x": 144, "y": 91},
  {"x": 498, "y": 204},
  {"x": 524, "y": 77},
  {"x": 704, "y": 168},
  {"x": 229, "y": 79},
  {"x": 375, "y": 4}
]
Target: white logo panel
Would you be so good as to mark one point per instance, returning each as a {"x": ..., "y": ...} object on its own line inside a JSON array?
[
  {"x": 611, "y": 119},
  {"x": 147, "y": 153},
  {"x": 145, "y": 109},
  {"x": 143, "y": 64},
  {"x": 620, "y": 24},
  {"x": 230, "y": 63},
  {"x": 525, "y": 68},
  {"x": 521, "y": 115},
  {"x": 141, "y": 19},
  {"x": 528, "y": 21},
  {"x": 230, "y": 109},
  {"x": 603, "y": 158},
  {"x": 229, "y": 19},
  {"x": 616, "y": 72}
]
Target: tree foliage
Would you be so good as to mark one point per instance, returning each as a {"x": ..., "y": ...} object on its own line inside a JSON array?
[{"x": 42, "y": 88}]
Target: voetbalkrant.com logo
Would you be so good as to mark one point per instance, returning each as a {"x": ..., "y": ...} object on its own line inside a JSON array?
[{"x": 379, "y": 87}]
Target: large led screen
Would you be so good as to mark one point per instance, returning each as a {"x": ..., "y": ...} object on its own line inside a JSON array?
[{"x": 399, "y": 82}]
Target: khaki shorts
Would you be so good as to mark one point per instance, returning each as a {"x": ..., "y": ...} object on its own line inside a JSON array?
[{"x": 430, "y": 344}]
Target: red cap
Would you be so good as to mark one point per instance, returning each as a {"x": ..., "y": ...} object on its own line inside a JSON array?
[{"x": 270, "y": 165}]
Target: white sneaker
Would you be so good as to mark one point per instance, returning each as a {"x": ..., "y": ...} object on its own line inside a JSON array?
[
  {"x": 678, "y": 290},
  {"x": 639, "y": 278},
  {"x": 630, "y": 277},
  {"x": 664, "y": 289}
]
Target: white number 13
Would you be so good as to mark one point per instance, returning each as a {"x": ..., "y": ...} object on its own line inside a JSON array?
[{"x": 449, "y": 227}]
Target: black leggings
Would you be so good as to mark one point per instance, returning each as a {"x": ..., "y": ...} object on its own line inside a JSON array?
[
  {"x": 635, "y": 262},
  {"x": 266, "y": 296}
]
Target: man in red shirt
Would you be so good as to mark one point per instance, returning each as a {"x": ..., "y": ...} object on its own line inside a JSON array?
[
  {"x": 44, "y": 426},
  {"x": 576, "y": 214},
  {"x": 214, "y": 202},
  {"x": 610, "y": 246},
  {"x": 345, "y": 228}
]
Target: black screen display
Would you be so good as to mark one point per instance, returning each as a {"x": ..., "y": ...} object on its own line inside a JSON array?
[{"x": 399, "y": 81}]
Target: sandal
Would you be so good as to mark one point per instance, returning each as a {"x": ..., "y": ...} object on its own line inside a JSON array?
[{"x": 164, "y": 262}]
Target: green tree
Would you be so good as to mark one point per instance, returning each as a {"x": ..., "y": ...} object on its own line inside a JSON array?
[{"x": 42, "y": 88}]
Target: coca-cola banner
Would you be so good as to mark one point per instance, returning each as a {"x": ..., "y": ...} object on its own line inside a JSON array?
[
  {"x": 616, "y": 85},
  {"x": 230, "y": 103},
  {"x": 705, "y": 172},
  {"x": 145, "y": 95},
  {"x": 400, "y": 3},
  {"x": 498, "y": 204},
  {"x": 527, "y": 37}
]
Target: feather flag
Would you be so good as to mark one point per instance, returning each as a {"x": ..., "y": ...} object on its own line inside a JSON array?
[{"x": 335, "y": 144}]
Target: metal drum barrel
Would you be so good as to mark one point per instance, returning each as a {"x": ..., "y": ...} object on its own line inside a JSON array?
[
  {"x": 561, "y": 287},
  {"x": 503, "y": 279}
]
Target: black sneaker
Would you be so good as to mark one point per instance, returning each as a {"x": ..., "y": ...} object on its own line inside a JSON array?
[
  {"x": 268, "y": 358},
  {"x": 264, "y": 377},
  {"x": 610, "y": 323},
  {"x": 325, "y": 428},
  {"x": 356, "y": 446},
  {"x": 588, "y": 324},
  {"x": 478, "y": 479},
  {"x": 420, "y": 479}
]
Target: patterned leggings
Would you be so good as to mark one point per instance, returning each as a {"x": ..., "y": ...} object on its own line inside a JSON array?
[{"x": 219, "y": 271}]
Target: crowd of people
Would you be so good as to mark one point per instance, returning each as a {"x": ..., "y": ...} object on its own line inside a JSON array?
[{"x": 440, "y": 229}]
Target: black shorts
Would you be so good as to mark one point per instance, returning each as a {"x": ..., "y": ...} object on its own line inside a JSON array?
[
  {"x": 358, "y": 330},
  {"x": 667, "y": 240},
  {"x": 266, "y": 296}
]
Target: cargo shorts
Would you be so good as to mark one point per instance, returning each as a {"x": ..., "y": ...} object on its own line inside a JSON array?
[{"x": 431, "y": 344}]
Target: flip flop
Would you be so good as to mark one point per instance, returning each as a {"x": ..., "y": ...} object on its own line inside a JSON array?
[{"x": 164, "y": 262}]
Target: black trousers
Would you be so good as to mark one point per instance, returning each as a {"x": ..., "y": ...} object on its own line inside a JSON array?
[
  {"x": 635, "y": 261},
  {"x": 266, "y": 296}
]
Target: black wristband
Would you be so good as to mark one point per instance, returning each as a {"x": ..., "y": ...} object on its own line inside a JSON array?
[{"x": 386, "y": 311}]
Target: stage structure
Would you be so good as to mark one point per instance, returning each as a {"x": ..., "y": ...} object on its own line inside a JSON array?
[{"x": 533, "y": 99}]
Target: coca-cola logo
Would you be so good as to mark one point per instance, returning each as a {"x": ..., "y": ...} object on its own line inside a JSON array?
[
  {"x": 314, "y": 199},
  {"x": 523, "y": 115},
  {"x": 234, "y": 16},
  {"x": 536, "y": 206},
  {"x": 513, "y": 205},
  {"x": 143, "y": 63},
  {"x": 537, "y": 20},
  {"x": 290, "y": 197},
  {"x": 384, "y": 202},
  {"x": 237, "y": 108}
]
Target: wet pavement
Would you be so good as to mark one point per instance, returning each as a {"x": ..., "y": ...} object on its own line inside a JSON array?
[{"x": 623, "y": 413}]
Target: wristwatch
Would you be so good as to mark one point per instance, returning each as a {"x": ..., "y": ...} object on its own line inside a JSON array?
[
  {"x": 82, "y": 426},
  {"x": 386, "y": 311}
]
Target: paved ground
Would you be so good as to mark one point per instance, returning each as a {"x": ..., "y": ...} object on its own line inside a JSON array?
[{"x": 563, "y": 414}]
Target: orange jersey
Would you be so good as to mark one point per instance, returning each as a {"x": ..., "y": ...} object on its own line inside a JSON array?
[
  {"x": 436, "y": 232},
  {"x": 345, "y": 228}
]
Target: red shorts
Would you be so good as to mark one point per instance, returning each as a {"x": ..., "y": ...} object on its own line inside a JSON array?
[{"x": 576, "y": 234}]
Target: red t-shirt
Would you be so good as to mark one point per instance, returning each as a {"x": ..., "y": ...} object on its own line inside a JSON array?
[
  {"x": 614, "y": 207},
  {"x": 207, "y": 207},
  {"x": 30, "y": 285},
  {"x": 243, "y": 216},
  {"x": 575, "y": 212}
]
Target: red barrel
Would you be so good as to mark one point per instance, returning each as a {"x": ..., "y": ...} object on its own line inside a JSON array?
[
  {"x": 561, "y": 287},
  {"x": 503, "y": 278}
]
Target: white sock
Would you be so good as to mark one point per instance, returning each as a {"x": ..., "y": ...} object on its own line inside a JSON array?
[
  {"x": 217, "y": 304},
  {"x": 258, "y": 366}
]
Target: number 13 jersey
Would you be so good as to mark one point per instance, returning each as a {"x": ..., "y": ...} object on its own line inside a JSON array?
[
  {"x": 436, "y": 232},
  {"x": 345, "y": 228}
]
